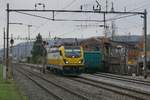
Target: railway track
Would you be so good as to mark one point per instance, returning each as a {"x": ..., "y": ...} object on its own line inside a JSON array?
[
  {"x": 123, "y": 78},
  {"x": 129, "y": 93},
  {"x": 121, "y": 90},
  {"x": 58, "y": 89},
  {"x": 38, "y": 84}
]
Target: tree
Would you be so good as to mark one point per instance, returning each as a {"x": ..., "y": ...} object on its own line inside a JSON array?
[{"x": 37, "y": 50}]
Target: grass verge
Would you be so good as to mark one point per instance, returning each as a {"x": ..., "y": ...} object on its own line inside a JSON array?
[{"x": 9, "y": 90}]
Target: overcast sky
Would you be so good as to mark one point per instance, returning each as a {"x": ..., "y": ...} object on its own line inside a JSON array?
[{"x": 131, "y": 25}]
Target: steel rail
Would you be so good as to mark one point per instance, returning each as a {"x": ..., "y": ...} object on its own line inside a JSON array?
[
  {"x": 105, "y": 85},
  {"x": 38, "y": 84},
  {"x": 123, "y": 78},
  {"x": 60, "y": 86},
  {"x": 114, "y": 88}
]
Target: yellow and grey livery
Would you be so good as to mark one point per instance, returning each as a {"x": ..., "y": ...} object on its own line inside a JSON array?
[{"x": 65, "y": 59}]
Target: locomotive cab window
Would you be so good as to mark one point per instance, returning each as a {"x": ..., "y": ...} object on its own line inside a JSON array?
[{"x": 73, "y": 52}]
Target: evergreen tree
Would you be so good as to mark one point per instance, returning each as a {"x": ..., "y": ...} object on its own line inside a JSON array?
[{"x": 37, "y": 50}]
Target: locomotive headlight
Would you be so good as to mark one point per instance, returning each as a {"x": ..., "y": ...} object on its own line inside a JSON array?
[
  {"x": 66, "y": 62},
  {"x": 79, "y": 62}
]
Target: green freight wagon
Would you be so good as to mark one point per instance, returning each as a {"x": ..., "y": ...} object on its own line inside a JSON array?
[{"x": 93, "y": 61}]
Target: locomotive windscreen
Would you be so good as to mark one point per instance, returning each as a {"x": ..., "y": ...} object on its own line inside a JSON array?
[{"x": 72, "y": 52}]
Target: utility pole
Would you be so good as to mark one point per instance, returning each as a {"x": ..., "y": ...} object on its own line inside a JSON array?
[
  {"x": 29, "y": 26},
  {"x": 44, "y": 56},
  {"x": 106, "y": 5},
  {"x": 105, "y": 25},
  {"x": 4, "y": 58},
  {"x": 105, "y": 34},
  {"x": 29, "y": 40},
  {"x": 145, "y": 44},
  {"x": 7, "y": 50},
  {"x": 113, "y": 23}
]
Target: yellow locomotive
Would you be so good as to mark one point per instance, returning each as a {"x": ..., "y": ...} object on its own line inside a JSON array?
[{"x": 67, "y": 60}]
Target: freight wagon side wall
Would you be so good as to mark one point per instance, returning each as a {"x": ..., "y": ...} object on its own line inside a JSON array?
[{"x": 93, "y": 60}]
